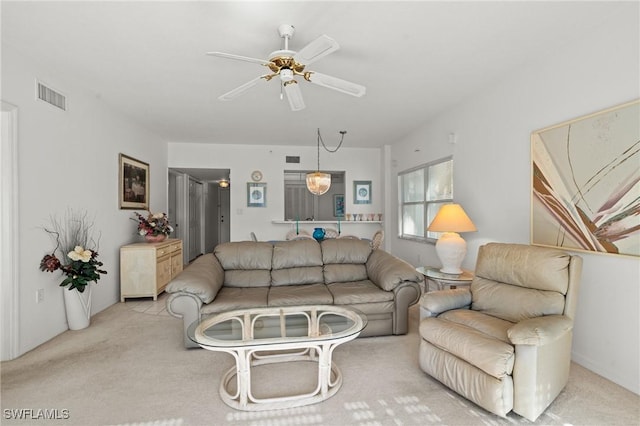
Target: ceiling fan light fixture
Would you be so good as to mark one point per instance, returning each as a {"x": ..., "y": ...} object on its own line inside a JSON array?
[
  {"x": 318, "y": 183},
  {"x": 286, "y": 75}
]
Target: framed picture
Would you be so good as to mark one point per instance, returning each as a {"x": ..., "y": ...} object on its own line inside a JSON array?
[
  {"x": 338, "y": 205},
  {"x": 585, "y": 191},
  {"x": 361, "y": 192},
  {"x": 256, "y": 194},
  {"x": 133, "y": 183}
]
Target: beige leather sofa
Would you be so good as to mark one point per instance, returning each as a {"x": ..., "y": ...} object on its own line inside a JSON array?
[
  {"x": 247, "y": 274},
  {"x": 505, "y": 342}
]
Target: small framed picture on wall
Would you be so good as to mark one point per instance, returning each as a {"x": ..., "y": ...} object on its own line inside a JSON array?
[
  {"x": 133, "y": 183},
  {"x": 361, "y": 192},
  {"x": 338, "y": 205},
  {"x": 256, "y": 194}
]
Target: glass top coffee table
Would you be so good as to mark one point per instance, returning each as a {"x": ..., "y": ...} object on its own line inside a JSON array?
[{"x": 274, "y": 335}]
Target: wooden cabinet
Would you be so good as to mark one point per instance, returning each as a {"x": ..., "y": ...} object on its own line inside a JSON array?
[{"x": 147, "y": 268}]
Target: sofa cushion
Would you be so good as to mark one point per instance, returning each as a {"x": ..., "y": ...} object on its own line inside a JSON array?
[
  {"x": 248, "y": 278},
  {"x": 489, "y": 354},
  {"x": 297, "y": 276},
  {"x": 341, "y": 273},
  {"x": 309, "y": 294},
  {"x": 345, "y": 250},
  {"x": 232, "y": 298},
  {"x": 296, "y": 253},
  {"x": 246, "y": 263},
  {"x": 355, "y": 292},
  {"x": 244, "y": 255},
  {"x": 296, "y": 262}
]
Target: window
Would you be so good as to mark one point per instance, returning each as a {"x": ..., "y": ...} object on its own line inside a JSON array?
[{"x": 421, "y": 192}]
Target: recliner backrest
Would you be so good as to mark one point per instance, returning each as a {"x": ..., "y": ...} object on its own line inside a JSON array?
[{"x": 516, "y": 281}]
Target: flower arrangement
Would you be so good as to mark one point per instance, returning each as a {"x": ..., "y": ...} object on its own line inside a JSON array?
[
  {"x": 72, "y": 237},
  {"x": 153, "y": 224}
]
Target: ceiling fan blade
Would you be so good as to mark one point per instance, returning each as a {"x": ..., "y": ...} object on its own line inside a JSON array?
[
  {"x": 239, "y": 90},
  {"x": 294, "y": 95},
  {"x": 318, "y": 48},
  {"x": 338, "y": 84},
  {"x": 239, "y": 58}
]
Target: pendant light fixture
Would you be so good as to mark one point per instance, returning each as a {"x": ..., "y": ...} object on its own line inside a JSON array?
[{"x": 318, "y": 183}]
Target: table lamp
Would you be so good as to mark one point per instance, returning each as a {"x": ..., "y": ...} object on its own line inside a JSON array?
[{"x": 451, "y": 247}]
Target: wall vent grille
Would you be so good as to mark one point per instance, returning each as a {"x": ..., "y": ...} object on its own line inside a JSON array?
[
  {"x": 50, "y": 96},
  {"x": 293, "y": 159}
]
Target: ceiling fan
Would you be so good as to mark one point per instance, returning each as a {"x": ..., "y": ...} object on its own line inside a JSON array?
[{"x": 288, "y": 64}]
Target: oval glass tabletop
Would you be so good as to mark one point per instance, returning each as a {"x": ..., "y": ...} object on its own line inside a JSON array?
[{"x": 266, "y": 326}]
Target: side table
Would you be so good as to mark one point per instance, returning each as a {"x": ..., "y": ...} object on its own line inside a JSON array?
[{"x": 443, "y": 280}]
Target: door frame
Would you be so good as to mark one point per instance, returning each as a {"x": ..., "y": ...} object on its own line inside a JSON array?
[{"x": 9, "y": 221}]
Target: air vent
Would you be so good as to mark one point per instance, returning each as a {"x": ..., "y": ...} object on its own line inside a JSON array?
[
  {"x": 293, "y": 160},
  {"x": 50, "y": 96}
]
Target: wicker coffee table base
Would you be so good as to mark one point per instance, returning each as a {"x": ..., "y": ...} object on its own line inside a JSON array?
[{"x": 242, "y": 398}]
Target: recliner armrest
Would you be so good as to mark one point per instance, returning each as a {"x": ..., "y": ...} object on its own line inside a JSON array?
[
  {"x": 203, "y": 278},
  {"x": 540, "y": 330},
  {"x": 437, "y": 302}
]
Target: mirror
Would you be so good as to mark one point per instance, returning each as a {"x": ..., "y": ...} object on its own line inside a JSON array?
[{"x": 300, "y": 204}]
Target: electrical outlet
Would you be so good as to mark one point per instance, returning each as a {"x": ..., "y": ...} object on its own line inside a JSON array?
[{"x": 40, "y": 295}]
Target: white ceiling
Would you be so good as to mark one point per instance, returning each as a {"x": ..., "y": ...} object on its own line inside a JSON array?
[{"x": 416, "y": 59}]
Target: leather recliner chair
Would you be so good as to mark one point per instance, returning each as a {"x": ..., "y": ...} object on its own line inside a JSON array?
[{"x": 505, "y": 342}]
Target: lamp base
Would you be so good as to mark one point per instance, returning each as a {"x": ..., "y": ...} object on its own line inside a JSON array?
[{"x": 451, "y": 249}]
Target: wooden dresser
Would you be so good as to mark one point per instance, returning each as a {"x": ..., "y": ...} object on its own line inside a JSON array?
[{"x": 147, "y": 268}]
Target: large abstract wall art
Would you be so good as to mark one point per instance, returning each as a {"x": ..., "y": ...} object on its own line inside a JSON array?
[{"x": 586, "y": 183}]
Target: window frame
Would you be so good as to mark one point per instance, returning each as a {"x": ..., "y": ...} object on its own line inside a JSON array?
[{"x": 428, "y": 237}]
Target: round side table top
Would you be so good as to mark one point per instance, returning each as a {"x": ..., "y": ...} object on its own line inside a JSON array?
[{"x": 434, "y": 273}]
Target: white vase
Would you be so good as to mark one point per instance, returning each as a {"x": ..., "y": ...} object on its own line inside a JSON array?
[{"x": 78, "y": 307}]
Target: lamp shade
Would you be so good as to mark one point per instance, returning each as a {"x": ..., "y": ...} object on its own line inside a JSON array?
[
  {"x": 318, "y": 183},
  {"x": 451, "y": 218}
]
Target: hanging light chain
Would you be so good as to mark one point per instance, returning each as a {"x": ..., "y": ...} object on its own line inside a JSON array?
[{"x": 342, "y": 133}]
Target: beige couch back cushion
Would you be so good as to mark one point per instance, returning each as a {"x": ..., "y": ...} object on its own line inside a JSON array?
[
  {"x": 515, "y": 282},
  {"x": 344, "y": 260},
  {"x": 246, "y": 263},
  {"x": 296, "y": 262}
]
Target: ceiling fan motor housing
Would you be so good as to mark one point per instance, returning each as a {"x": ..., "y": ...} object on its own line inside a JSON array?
[{"x": 286, "y": 30}]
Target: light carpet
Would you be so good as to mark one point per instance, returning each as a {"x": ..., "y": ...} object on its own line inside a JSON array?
[{"x": 130, "y": 368}]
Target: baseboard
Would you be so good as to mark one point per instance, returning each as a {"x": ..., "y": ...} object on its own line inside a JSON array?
[{"x": 625, "y": 381}]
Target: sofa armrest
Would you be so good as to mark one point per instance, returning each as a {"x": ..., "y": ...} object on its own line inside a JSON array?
[
  {"x": 437, "y": 302},
  {"x": 185, "y": 306},
  {"x": 203, "y": 277},
  {"x": 387, "y": 271},
  {"x": 540, "y": 330}
]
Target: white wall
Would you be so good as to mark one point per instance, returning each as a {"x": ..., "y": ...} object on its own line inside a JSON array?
[
  {"x": 70, "y": 160},
  {"x": 492, "y": 178},
  {"x": 358, "y": 164}
]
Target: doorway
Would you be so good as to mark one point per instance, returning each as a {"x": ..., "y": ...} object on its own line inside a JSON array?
[{"x": 199, "y": 209}]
